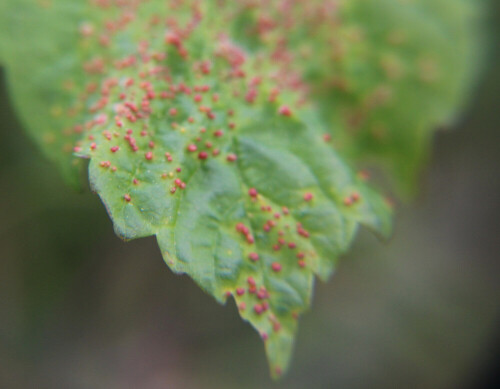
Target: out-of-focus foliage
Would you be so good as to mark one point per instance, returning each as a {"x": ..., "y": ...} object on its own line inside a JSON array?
[
  {"x": 384, "y": 73},
  {"x": 200, "y": 123}
]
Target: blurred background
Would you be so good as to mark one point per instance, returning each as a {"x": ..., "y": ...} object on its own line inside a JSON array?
[{"x": 81, "y": 309}]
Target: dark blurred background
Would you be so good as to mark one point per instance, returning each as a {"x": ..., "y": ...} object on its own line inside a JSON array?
[{"x": 81, "y": 309}]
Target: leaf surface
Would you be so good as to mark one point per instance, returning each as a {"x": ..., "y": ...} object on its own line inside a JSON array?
[
  {"x": 385, "y": 73},
  {"x": 195, "y": 140}
]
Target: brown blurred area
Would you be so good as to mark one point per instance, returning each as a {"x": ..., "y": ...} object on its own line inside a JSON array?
[{"x": 81, "y": 309}]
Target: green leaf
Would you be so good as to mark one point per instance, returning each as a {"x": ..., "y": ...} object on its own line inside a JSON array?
[
  {"x": 407, "y": 70},
  {"x": 37, "y": 47},
  {"x": 385, "y": 73},
  {"x": 189, "y": 140}
]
